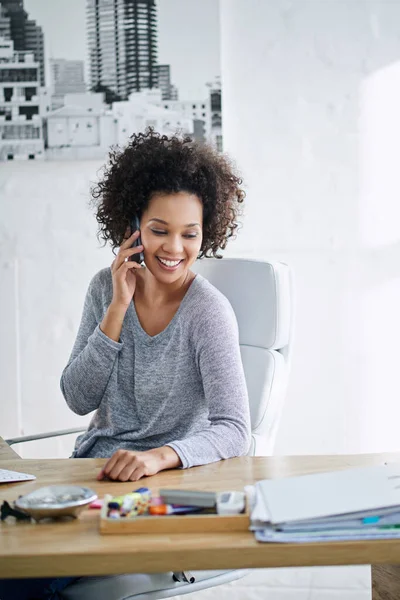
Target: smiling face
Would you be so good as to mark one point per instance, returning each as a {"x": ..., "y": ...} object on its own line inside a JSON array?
[{"x": 171, "y": 233}]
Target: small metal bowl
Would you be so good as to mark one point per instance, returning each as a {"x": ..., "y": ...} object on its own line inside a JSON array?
[{"x": 56, "y": 501}]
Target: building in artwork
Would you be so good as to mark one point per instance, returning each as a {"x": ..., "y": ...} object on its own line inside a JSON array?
[
  {"x": 122, "y": 39},
  {"x": 216, "y": 114},
  {"x": 24, "y": 32},
  {"x": 67, "y": 77},
  {"x": 169, "y": 91},
  {"x": 23, "y": 103}
]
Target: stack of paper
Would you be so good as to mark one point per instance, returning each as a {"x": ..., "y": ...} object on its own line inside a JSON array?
[{"x": 352, "y": 504}]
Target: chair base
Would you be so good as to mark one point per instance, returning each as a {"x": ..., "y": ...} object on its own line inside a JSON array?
[{"x": 146, "y": 586}]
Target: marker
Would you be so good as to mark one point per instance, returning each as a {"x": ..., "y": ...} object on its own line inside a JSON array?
[{"x": 168, "y": 509}]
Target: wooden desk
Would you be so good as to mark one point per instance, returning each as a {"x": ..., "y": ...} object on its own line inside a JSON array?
[{"x": 76, "y": 547}]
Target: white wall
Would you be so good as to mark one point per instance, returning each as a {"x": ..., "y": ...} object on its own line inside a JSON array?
[
  {"x": 48, "y": 253},
  {"x": 311, "y": 92},
  {"x": 310, "y": 109}
]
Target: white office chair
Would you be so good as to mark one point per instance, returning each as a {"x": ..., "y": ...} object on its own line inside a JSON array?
[{"x": 261, "y": 294}]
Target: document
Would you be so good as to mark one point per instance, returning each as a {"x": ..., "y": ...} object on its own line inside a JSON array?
[{"x": 361, "y": 503}]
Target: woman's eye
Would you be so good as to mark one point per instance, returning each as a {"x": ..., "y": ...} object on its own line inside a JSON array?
[{"x": 188, "y": 236}]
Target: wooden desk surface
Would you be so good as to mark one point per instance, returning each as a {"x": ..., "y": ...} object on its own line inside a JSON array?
[{"x": 76, "y": 548}]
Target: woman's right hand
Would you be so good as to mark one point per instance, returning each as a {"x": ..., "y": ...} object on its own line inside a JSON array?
[{"x": 123, "y": 272}]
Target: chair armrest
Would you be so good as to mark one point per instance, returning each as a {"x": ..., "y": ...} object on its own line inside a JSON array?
[
  {"x": 260, "y": 446},
  {"x": 42, "y": 436}
]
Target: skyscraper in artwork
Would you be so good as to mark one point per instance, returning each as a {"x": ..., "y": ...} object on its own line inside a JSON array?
[{"x": 122, "y": 39}]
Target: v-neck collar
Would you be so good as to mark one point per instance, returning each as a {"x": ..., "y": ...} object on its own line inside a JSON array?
[{"x": 159, "y": 336}]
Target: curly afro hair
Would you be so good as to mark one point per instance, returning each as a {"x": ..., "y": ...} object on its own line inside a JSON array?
[{"x": 153, "y": 163}]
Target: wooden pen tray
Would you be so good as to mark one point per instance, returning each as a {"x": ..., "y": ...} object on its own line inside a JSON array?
[{"x": 191, "y": 523}]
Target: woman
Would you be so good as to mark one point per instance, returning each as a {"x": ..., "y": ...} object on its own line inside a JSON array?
[{"x": 157, "y": 352}]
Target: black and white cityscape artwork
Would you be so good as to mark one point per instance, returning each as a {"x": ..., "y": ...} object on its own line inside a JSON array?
[{"x": 80, "y": 76}]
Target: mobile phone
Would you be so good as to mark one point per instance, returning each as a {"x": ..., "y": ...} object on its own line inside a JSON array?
[{"x": 135, "y": 225}]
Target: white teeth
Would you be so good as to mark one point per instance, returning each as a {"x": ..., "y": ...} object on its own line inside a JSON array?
[{"x": 169, "y": 263}]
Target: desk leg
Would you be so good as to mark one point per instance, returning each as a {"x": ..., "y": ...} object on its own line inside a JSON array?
[{"x": 385, "y": 582}]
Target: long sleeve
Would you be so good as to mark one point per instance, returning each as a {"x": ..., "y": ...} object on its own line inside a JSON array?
[
  {"x": 224, "y": 384},
  {"x": 85, "y": 378}
]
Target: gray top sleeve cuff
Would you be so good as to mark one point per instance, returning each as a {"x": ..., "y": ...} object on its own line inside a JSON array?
[
  {"x": 176, "y": 446},
  {"x": 101, "y": 339}
]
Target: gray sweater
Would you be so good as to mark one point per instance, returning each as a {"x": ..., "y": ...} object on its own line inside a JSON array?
[{"x": 183, "y": 388}]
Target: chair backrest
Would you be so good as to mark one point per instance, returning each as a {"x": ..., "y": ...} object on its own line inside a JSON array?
[{"x": 261, "y": 294}]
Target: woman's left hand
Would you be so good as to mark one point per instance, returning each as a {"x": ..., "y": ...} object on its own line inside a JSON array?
[{"x": 125, "y": 465}]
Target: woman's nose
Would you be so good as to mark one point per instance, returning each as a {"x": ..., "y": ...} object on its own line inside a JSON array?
[{"x": 173, "y": 245}]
